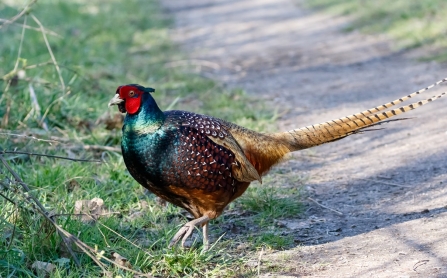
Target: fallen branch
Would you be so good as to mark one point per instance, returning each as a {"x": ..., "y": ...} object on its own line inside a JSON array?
[
  {"x": 31, "y": 137},
  {"x": 419, "y": 263},
  {"x": 40, "y": 207},
  {"x": 36, "y": 105},
  {"x": 50, "y": 52},
  {"x": 19, "y": 15},
  {"x": 67, "y": 237},
  {"x": 49, "y": 32},
  {"x": 101, "y": 148},
  {"x": 386, "y": 182},
  {"x": 63, "y": 141},
  {"x": 49, "y": 155},
  {"x": 336, "y": 211}
]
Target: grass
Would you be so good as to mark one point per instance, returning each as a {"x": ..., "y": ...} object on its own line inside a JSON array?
[
  {"x": 98, "y": 45},
  {"x": 412, "y": 23},
  {"x": 275, "y": 199}
]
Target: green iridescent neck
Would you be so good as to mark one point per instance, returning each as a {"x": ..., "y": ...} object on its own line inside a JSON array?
[{"x": 147, "y": 119}]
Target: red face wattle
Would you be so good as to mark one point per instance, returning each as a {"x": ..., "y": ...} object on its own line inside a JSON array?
[
  {"x": 132, "y": 99},
  {"x": 128, "y": 97}
]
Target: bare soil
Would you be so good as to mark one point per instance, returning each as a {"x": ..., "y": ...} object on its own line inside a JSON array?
[{"x": 387, "y": 187}]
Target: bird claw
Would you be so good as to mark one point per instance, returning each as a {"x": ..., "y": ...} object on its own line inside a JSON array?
[
  {"x": 182, "y": 234},
  {"x": 187, "y": 229}
]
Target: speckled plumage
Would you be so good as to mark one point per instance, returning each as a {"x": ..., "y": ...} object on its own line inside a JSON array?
[
  {"x": 178, "y": 155},
  {"x": 173, "y": 149}
]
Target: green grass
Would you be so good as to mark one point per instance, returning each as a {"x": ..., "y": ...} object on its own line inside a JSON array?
[
  {"x": 100, "y": 45},
  {"x": 412, "y": 23},
  {"x": 274, "y": 199}
]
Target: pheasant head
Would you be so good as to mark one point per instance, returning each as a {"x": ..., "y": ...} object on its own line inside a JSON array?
[
  {"x": 128, "y": 97},
  {"x": 141, "y": 108}
]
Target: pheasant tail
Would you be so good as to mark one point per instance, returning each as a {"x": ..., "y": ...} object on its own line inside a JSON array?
[{"x": 333, "y": 130}]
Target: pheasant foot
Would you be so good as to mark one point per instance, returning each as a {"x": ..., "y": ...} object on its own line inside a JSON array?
[{"x": 187, "y": 229}]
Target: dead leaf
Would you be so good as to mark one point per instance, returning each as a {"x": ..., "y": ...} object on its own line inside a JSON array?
[
  {"x": 120, "y": 260},
  {"x": 139, "y": 212},
  {"x": 72, "y": 185},
  {"x": 293, "y": 225},
  {"x": 111, "y": 121},
  {"x": 43, "y": 268},
  {"x": 242, "y": 246},
  {"x": 85, "y": 124},
  {"x": 314, "y": 219},
  {"x": 144, "y": 205},
  {"x": 91, "y": 210},
  {"x": 63, "y": 250}
]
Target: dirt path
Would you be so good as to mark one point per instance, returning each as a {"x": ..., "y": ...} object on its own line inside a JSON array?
[{"x": 388, "y": 185}]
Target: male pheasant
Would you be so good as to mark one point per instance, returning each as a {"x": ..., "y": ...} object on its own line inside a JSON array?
[{"x": 202, "y": 163}]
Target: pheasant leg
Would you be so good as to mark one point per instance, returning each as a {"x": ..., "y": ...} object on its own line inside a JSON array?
[
  {"x": 187, "y": 229},
  {"x": 206, "y": 243}
]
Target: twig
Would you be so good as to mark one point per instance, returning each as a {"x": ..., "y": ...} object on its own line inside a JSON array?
[
  {"x": 53, "y": 103},
  {"x": 385, "y": 182},
  {"x": 259, "y": 261},
  {"x": 122, "y": 237},
  {"x": 19, "y": 15},
  {"x": 65, "y": 141},
  {"x": 86, "y": 214},
  {"x": 50, "y": 51},
  {"x": 19, "y": 52},
  {"x": 35, "y": 102},
  {"x": 96, "y": 256},
  {"x": 8, "y": 110},
  {"x": 66, "y": 236},
  {"x": 336, "y": 211},
  {"x": 14, "y": 229},
  {"x": 101, "y": 148},
  {"x": 38, "y": 65},
  {"x": 49, "y": 155},
  {"x": 6, "y": 198},
  {"x": 19, "y": 180},
  {"x": 419, "y": 263},
  {"x": 49, "y": 32},
  {"x": 61, "y": 66},
  {"x": 53, "y": 139},
  {"x": 31, "y": 137},
  {"x": 40, "y": 207}
]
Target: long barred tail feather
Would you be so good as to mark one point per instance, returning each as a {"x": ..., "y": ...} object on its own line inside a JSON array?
[
  {"x": 329, "y": 131},
  {"x": 377, "y": 124},
  {"x": 398, "y": 101}
]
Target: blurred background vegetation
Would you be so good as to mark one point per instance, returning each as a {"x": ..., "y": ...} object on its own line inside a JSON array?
[
  {"x": 60, "y": 63},
  {"x": 411, "y": 23}
]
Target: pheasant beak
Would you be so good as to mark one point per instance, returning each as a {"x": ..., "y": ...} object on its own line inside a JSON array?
[{"x": 115, "y": 100}]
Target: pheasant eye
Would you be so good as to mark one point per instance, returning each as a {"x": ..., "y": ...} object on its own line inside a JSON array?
[{"x": 131, "y": 93}]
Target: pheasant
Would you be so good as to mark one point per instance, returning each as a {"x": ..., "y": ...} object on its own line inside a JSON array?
[{"x": 202, "y": 163}]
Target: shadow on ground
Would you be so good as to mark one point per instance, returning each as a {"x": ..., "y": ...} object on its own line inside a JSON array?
[{"x": 388, "y": 185}]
